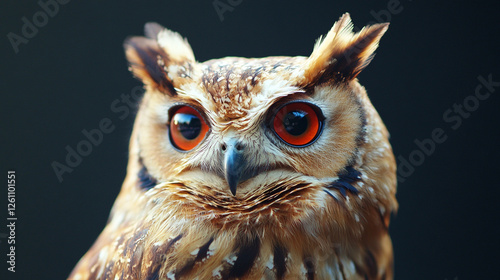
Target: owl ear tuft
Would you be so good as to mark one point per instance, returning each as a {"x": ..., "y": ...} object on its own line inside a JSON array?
[
  {"x": 342, "y": 54},
  {"x": 151, "y": 57}
]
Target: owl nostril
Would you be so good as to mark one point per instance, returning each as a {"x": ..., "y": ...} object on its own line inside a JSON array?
[{"x": 232, "y": 144}]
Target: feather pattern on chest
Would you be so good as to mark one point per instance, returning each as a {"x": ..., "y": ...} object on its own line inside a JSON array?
[{"x": 269, "y": 168}]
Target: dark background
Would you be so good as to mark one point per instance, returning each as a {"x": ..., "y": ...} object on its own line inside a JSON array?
[{"x": 67, "y": 76}]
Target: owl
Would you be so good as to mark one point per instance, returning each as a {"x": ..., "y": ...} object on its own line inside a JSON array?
[{"x": 260, "y": 168}]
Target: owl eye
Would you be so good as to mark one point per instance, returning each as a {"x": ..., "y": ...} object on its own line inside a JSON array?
[
  {"x": 298, "y": 123},
  {"x": 187, "y": 128}
]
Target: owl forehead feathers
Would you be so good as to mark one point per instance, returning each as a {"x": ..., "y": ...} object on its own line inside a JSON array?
[
  {"x": 230, "y": 87},
  {"x": 235, "y": 85}
]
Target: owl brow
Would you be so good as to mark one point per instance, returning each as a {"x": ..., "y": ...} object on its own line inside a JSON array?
[{"x": 276, "y": 102}]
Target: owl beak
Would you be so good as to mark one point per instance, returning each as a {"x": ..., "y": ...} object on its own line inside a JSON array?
[{"x": 234, "y": 163}]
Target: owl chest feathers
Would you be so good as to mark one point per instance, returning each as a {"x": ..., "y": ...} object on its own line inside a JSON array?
[
  {"x": 175, "y": 244},
  {"x": 185, "y": 233}
]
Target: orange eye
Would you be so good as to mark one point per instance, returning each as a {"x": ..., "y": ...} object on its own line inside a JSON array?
[
  {"x": 298, "y": 123},
  {"x": 187, "y": 128}
]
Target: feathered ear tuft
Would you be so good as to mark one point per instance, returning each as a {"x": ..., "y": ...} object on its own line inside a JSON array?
[
  {"x": 342, "y": 54},
  {"x": 151, "y": 57}
]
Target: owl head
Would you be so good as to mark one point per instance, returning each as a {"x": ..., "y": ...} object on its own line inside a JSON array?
[
  {"x": 261, "y": 130},
  {"x": 277, "y": 167}
]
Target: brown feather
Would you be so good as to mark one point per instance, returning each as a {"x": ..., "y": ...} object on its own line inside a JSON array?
[{"x": 342, "y": 54}]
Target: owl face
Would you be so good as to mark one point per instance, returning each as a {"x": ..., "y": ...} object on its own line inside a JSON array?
[
  {"x": 237, "y": 123},
  {"x": 240, "y": 137},
  {"x": 237, "y": 129}
]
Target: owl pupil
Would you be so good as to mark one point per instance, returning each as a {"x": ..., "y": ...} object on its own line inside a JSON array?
[
  {"x": 189, "y": 125},
  {"x": 295, "y": 122}
]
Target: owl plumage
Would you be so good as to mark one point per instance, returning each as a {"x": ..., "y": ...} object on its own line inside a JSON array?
[{"x": 269, "y": 168}]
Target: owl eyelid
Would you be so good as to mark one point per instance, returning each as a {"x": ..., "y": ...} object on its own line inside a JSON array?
[
  {"x": 278, "y": 106},
  {"x": 176, "y": 106}
]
